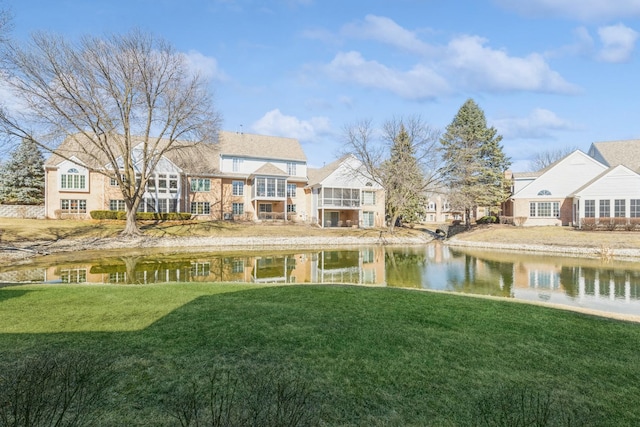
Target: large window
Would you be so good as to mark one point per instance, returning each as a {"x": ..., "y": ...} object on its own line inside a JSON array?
[
  {"x": 238, "y": 188},
  {"x": 544, "y": 209},
  {"x": 200, "y": 208},
  {"x": 238, "y": 208},
  {"x": 634, "y": 208},
  {"x": 200, "y": 184},
  {"x": 73, "y": 180},
  {"x": 347, "y": 197},
  {"x": 605, "y": 209},
  {"x": 369, "y": 198},
  {"x": 73, "y": 205},
  {"x": 291, "y": 190},
  {"x": 270, "y": 187},
  {"x": 589, "y": 208},
  {"x": 116, "y": 205},
  {"x": 620, "y": 208}
]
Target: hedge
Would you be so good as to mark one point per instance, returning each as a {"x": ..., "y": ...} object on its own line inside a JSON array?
[{"x": 148, "y": 216}]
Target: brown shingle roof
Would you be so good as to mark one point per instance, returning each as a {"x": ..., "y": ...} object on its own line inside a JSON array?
[
  {"x": 317, "y": 175},
  {"x": 615, "y": 153},
  {"x": 260, "y": 146}
]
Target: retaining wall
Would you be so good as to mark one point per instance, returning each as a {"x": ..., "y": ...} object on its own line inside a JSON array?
[{"x": 22, "y": 211}]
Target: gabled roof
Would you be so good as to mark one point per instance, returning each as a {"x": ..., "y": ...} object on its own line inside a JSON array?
[
  {"x": 618, "y": 168},
  {"x": 260, "y": 146},
  {"x": 269, "y": 169},
  {"x": 613, "y": 153},
  {"x": 317, "y": 175},
  {"x": 193, "y": 158}
]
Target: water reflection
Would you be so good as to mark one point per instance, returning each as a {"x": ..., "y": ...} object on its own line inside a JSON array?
[{"x": 585, "y": 283}]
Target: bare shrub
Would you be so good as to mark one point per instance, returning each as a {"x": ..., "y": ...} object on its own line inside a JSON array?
[
  {"x": 523, "y": 406},
  {"x": 262, "y": 398},
  {"x": 588, "y": 224},
  {"x": 53, "y": 389},
  {"x": 519, "y": 221},
  {"x": 633, "y": 224}
]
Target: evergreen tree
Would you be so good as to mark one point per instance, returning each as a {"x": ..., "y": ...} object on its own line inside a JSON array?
[
  {"x": 474, "y": 163},
  {"x": 22, "y": 177},
  {"x": 404, "y": 180}
]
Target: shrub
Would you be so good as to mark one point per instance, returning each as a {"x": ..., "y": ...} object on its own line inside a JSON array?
[
  {"x": 488, "y": 219},
  {"x": 523, "y": 406},
  {"x": 588, "y": 224},
  {"x": 143, "y": 216},
  {"x": 53, "y": 389},
  {"x": 633, "y": 224},
  {"x": 265, "y": 398},
  {"x": 519, "y": 221}
]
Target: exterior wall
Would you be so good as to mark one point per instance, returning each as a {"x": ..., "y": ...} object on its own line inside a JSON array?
[
  {"x": 248, "y": 165},
  {"x": 94, "y": 195}
]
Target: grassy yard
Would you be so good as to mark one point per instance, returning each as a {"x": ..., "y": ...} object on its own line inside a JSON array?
[
  {"x": 554, "y": 236},
  {"x": 344, "y": 356}
]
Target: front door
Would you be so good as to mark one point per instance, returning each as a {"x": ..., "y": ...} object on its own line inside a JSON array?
[{"x": 334, "y": 217}]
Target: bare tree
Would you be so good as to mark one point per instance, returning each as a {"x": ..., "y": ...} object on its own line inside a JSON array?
[
  {"x": 123, "y": 101},
  {"x": 546, "y": 158},
  {"x": 406, "y": 178}
]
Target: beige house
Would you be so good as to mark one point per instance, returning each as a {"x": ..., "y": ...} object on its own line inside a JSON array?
[
  {"x": 242, "y": 177},
  {"x": 603, "y": 184},
  {"x": 341, "y": 194}
]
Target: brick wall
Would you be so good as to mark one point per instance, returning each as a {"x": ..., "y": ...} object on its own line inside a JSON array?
[{"x": 22, "y": 211}]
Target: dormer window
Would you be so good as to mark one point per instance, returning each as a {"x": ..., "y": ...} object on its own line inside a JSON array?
[
  {"x": 73, "y": 180},
  {"x": 544, "y": 193}
]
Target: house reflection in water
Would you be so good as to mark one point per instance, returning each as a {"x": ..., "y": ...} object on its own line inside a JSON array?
[{"x": 357, "y": 266}]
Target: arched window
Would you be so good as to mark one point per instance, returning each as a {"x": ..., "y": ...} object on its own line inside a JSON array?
[
  {"x": 73, "y": 180},
  {"x": 544, "y": 193}
]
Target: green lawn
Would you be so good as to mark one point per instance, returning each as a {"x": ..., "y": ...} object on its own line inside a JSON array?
[{"x": 361, "y": 356}]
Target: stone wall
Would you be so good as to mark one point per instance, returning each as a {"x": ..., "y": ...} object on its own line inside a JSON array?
[{"x": 22, "y": 211}]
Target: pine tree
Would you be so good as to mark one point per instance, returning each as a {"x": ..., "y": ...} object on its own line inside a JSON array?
[
  {"x": 474, "y": 163},
  {"x": 22, "y": 176},
  {"x": 403, "y": 180}
]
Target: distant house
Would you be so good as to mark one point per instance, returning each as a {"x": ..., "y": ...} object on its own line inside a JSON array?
[
  {"x": 602, "y": 184},
  {"x": 242, "y": 176},
  {"x": 342, "y": 194}
]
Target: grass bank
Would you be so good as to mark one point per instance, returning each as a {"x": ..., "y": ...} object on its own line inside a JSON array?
[
  {"x": 361, "y": 356},
  {"x": 551, "y": 236}
]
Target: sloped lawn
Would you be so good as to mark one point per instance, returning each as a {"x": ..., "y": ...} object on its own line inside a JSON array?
[{"x": 342, "y": 356}]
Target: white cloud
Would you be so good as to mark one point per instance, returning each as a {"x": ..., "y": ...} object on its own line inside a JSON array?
[
  {"x": 618, "y": 43},
  {"x": 385, "y": 30},
  {"x": 276, "y": 123},
  {"x": 420, "y": 82},
  {"x": 480, "y": 67},
  {"x": 575, "y": 9},
  {"x": 537, "y": 125},
  {"x": 205, "y": 65}
]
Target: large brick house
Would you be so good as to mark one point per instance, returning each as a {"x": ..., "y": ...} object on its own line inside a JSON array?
[{"x": 241, "y": 176}]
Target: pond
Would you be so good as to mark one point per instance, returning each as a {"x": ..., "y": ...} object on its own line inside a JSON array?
[{"x": 611, "y": 287}]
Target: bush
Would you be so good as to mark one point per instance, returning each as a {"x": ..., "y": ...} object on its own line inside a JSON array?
[
  {"x": 142, "y": 216},
  {"x": 522, "y": 406},
  {"x": 588, "y": 224},
  {"x": 53, "y": 389},
  {"x": 265, "y": 398},
  {"x": 488, "y": 219}
]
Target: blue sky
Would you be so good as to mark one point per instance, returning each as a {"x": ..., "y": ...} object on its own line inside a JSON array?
[{"x": 548, "y": 73}]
